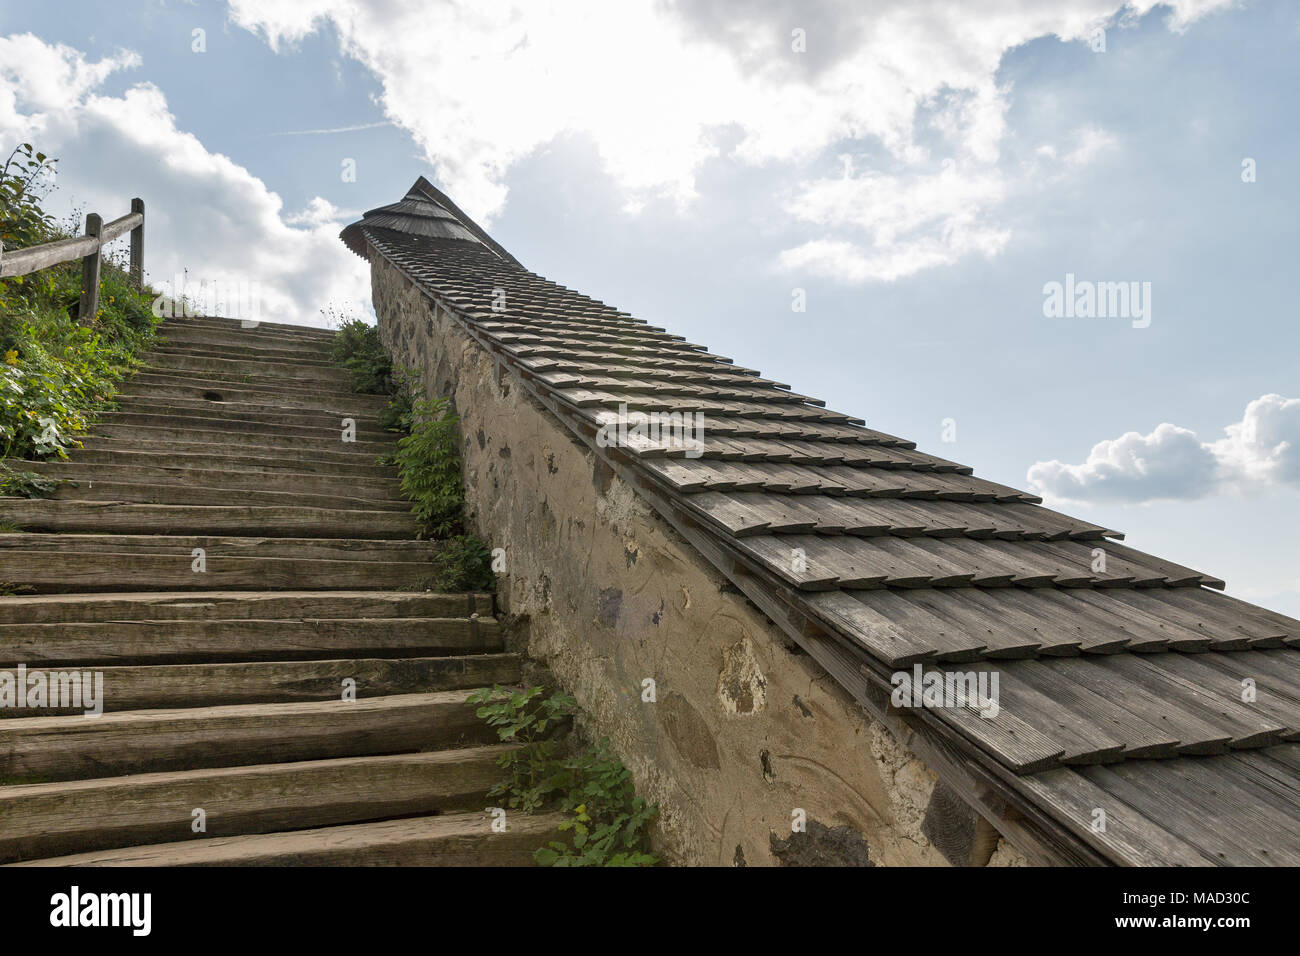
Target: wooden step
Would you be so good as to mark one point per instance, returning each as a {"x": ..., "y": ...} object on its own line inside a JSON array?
[
  {"x": 445, "y": 840},
  {"x": 79, "y": 816},
  {"x": 318, "y": 416},
  {"x": 385, "y": 493},
  {"x": 54, "y": 572},
  {"x": 241, "y": 346},
  {"x": 244, "y": 458},
  {"x": 248, "y": 639},
  {"x": 347, "y": 549},
  {"x": 215, "y": 495},
  {"x": 42, "y": 749},
  {"x": 265, "y": 330},
  {"x": 268, "y": 444},
  {"x": 311, "y": 341},
  {"x": 254, "y": 375},
  {"x": 71, "y": 515},
  {"x": 236, "y": 369},
  {"x": 223, "y": 690},
  {"x": 238, "y": 605},
  {"x": 188, "y": 392},
  {"x": 330, "y": 428},
  {"x": 230, "y": 432},
  {"x": 287, "y": 356},
  {"x": 160, "y": 686},
  {"x": 268, "y": 387}
]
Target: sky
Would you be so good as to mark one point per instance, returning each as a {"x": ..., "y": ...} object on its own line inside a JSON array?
[{"x": 1052, "y": 241}]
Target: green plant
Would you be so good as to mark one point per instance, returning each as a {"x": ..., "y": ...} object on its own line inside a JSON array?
[
  {"x": 24, "y": 182},
  {"x": 464, "y": 563},
  {"x": 25, "y": 484},
  {"x": 399, "y": 414},
  {"x": 528, "y": 718},
  {"x": 608, "y": 821},
  {"x": 356, "y": 347},
  {"x": 56, "y": 371},
  {"x": 428, "y": 463},
  {"x": 58, "y": 368}
]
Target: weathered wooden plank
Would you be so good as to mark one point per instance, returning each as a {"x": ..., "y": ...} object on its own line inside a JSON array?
[
  {"x": 243, "y": 681},
  {"x": 445, "y": 840},
  {"x": 78, "y": 516},
  {"x": 237, "y": 605},
  {"x": 21, "y": 262},
  {"x": 178, "y": 493},
  {"x": 953, "y": 605},
  {"x": 1075, "y": 729},
  {"x": 1139, "y": 635},
  {"x": 942, "y": 639},
  {"x": 1196, "y": 799},
  {"x": 67, "y": 748},
  {"x": 1007, "y": 607},
  {"x": 347, "y": 549},
  {"x": 1141, "y": 738},
  {"x": 1013, "y": 742},
  {"x": 121, "y": 226},
  {"x": 1278, "y": 692},
  {"x": 1167, "y": 676},
  {"x": 88, "y": 307},
  {"x": 1129, "y": 836},
  {"x": 247, "y": 639},
  {"x": 867, "y": 627},
  {"x": 53, "y": 572},
  {"x": 1233, "y": 622},
  {"x": 87, "y": 815},
  {"x": 1196, "y": 734}
]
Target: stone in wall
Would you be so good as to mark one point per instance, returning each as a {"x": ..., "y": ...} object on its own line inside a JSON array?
[{"x": 820, "y": 845}]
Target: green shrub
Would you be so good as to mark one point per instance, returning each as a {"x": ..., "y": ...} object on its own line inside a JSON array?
[
  {"x": 609, "y": 823},
  {"x": 24, "y": 182},
  {"x": 464, "y": 563},
  {"x": 58, "y": 368},
  {"x": 356, "y": 347},
  {"x": 399, "y": 414},
  {"x": 427, "y": 456},
  {"x": 533, "y": 721},
  {"x": 428, "y": 462},
  {"x": 25, "y": 484}
]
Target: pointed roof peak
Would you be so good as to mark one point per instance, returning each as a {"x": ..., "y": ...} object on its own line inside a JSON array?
[{"x": 425, "y": 210}]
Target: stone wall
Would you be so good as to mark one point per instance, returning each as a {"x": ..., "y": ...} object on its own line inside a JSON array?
[{"x": 746, "y": 731}]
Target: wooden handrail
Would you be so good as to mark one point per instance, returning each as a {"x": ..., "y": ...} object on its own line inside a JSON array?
[
  {"x": 21, "y": 262},
  {"x": 121, "y": 226},
  {"x": 24, "y": 261}
]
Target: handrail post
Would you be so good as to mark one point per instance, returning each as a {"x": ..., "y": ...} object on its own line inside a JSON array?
[
  {"x": 89, "y": 304},
  {"x": 137, "y": 244}
]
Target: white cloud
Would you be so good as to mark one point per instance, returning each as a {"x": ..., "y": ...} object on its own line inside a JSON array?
[
  {"x": 915, "y": 222},
  {"x": 1263, "y": 449},
  {"x": 1265, "y": 445},
  {"x": 205, "y": 213},
  {"x": 655, "y": 86}
]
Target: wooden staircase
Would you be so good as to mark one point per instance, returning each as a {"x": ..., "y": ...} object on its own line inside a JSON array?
[{"x": 223, "y": 687}]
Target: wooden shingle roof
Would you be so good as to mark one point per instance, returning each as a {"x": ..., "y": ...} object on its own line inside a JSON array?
[{"x": 1121, "y": 689}]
